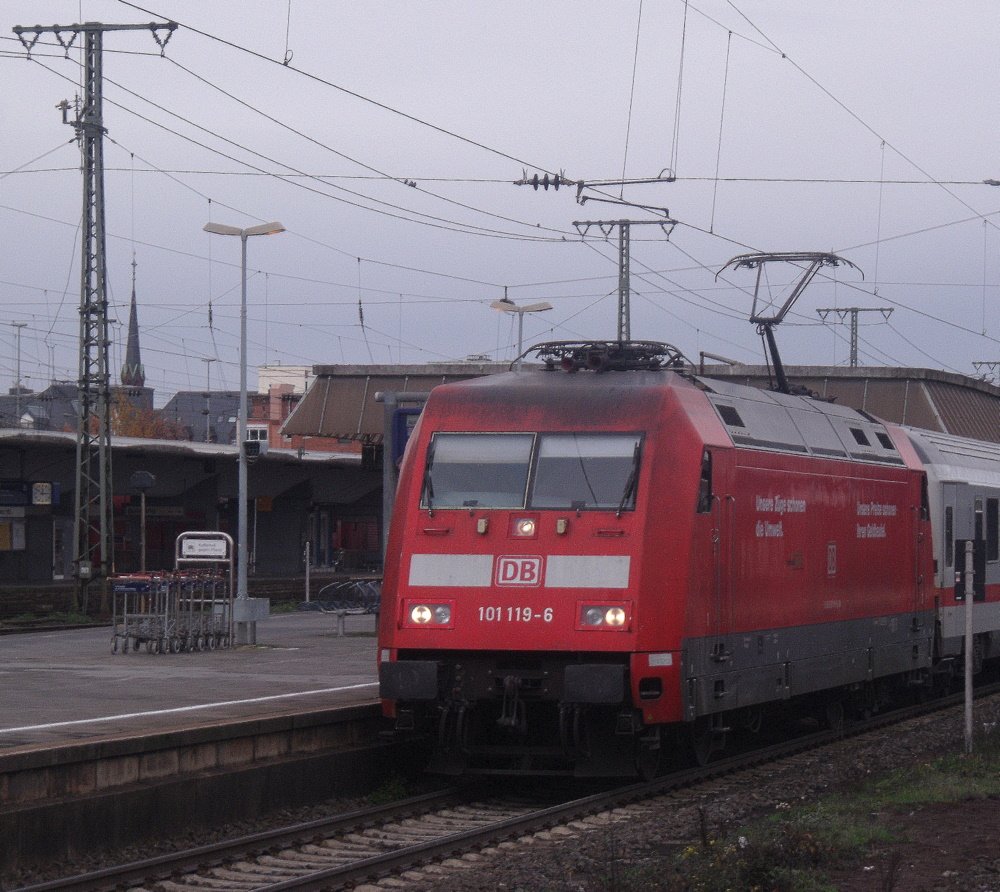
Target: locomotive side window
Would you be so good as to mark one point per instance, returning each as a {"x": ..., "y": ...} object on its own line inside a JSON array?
[
  {"x": 705, "y": 484},
  {"x": 578, "y": 471},
  {"x": 477, "y": 470}
]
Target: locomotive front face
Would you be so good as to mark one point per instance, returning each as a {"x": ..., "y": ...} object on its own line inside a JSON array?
[{"x": 516, "y": 574}]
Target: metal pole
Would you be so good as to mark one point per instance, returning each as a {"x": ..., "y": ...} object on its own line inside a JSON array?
[
  {"x": 520, "y": 337},
  {"x": 968, "y": 645},
  {"x": 142, "y": 531},
  {"x": 17, "y": 386},
  {"x": 307, "y": 571},
  {"x": 208, "y": 398},
  {"x": 624, "y": 283},
  {"x": 253, "y": 551},
  {"x": 244, "y": 607},
  {"x": 241, "y": 434}
]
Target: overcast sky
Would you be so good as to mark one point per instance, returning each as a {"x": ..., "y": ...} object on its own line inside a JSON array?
[{"x": 389, "y": 144}]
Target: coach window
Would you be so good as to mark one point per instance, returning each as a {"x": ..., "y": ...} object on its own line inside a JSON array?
[
  {"x": 949, "y": 535},
  {"x": 477, "y": 471},
  {"x": 579, "y": 471}
]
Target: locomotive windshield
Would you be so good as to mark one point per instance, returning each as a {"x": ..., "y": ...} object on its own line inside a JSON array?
[
  {"x": 586, "y": 471},
  {"x": 571, "y": 471},
  {"x": 477, "y": 470}
]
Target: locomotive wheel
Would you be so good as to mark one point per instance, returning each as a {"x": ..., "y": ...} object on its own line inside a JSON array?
[
  {"x": 705, "y": 740},
  {"x": 701, "y": 743},
  {"x": 752, "y": 719},
  {"x": 833, "y": 715},
  {"x": 571, "y": 730},
  {"x": 649, "y": 753},
  {"x": 978, "y": 654}
]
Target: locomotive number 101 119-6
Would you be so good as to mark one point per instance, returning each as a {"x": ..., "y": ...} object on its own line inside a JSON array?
[{"x": 514, "y": 615}]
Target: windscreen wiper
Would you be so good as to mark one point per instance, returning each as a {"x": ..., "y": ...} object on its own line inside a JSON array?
[{"x": 633, "y": 477}]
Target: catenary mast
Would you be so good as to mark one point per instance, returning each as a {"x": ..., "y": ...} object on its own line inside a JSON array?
[{"x": 93, "y": 555}]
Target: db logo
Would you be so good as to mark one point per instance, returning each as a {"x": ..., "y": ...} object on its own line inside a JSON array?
[{"x": 519, "y": 571}]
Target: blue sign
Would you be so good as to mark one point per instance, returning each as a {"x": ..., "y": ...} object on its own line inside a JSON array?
[{"x": 403, "y": 422}]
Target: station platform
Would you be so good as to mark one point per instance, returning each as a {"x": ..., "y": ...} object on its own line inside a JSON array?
[{"x": 66, "y": 687}]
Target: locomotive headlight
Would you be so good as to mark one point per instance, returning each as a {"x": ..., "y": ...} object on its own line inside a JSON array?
[
  {"x": 615, "y": 616},
  {"x": 597, "y": 616},
  {"x": 433, "y": 615},
  {"x": 524, "y": 527}
]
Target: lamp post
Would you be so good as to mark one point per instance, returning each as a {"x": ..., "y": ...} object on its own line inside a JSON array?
[
  {"x": 142, "y": 481},
  {"x": 506, "y": 305},
  {"x": 241, "y": 424}
]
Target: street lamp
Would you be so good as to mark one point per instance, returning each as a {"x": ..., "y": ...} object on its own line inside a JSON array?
[
  {"x": 506, "y": 305},
  {"x": 241, "y": 425}
]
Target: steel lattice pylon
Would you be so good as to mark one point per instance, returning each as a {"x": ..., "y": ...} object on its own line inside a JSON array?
[{"x": 93, "y": 555}]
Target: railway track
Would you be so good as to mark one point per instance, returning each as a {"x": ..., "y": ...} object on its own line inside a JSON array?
[{"x": 349, "y": 849}]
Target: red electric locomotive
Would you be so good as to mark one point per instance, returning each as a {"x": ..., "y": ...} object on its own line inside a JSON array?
[{"x": 595, "y": 561}]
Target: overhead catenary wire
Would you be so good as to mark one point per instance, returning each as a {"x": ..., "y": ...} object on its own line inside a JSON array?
[
  {"x": 353, "y": 93},
  {"x": 366, "y": 290},
  {"x": 631, "y": 98},
  {"x": 311, "y": 239},
  {"x": 843, "y": 106},
  {"x": 504, "y": 181},
  {"x": 395, "y": 211},
  {"x": 401, "y": 212},
  {"x": 878, "y": 223},
  {"x": 408, "y": 182},
  {"x": 675, "y": 137},
  {"x": 722, "y": 119}
]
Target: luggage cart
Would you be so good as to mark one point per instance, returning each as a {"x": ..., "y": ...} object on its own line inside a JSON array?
[
  {"x": 143, "y": 613},
  {"x": 205, "y": 561},
  {"x": 188, "y": 609},
  {"x": 203, "y": 609}
]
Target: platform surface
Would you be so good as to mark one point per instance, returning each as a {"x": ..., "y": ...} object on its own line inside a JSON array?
[{"x": 67, "y": 687}]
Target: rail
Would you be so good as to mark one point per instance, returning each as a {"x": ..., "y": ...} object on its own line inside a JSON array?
[{"x": 271, "y": 872}]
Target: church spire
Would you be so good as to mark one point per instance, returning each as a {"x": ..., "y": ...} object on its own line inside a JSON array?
[{"x": 132, "y": 374}]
